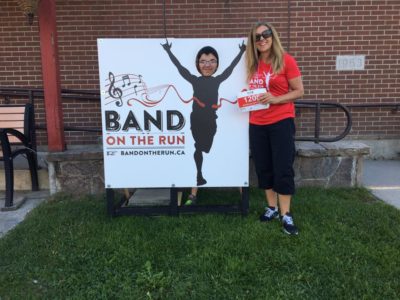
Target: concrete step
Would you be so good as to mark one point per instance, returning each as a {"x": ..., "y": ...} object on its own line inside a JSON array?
[
  {"x": 22, "y": 177},
  {"x": 143, "y": 197},
  {"x": 22, "y": 180}
]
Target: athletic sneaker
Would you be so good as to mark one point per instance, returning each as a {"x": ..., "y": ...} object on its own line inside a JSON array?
[
  {"x": 192, "y": 199},
  {"x": 288, "y": 224},
  {"x": 269, "y": 214}
]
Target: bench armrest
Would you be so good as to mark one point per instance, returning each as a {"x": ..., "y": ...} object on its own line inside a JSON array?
[{"x": 19, "y": 135}]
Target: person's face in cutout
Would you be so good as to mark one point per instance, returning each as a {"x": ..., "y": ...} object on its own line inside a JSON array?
[{"x": 208, "y": 64}]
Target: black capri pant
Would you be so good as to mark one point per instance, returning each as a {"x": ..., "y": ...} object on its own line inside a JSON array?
[{"x": 273, "y": 152}]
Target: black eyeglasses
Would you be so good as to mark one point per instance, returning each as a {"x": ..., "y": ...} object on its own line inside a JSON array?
[
  {"x": 208, "y": 62},
  {"x": 265, "y": 34}
]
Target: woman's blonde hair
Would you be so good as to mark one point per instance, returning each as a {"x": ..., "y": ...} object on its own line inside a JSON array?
[{"x": 252, "y": 54}]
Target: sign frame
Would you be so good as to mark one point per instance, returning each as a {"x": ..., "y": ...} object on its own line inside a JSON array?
[{"x": 117, "y": 205}]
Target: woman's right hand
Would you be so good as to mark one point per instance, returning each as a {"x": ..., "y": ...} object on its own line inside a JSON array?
[{"x": 266, "y": 98}]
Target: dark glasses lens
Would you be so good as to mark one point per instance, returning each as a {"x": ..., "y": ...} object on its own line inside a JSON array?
[{"x": 265, "y": 34}]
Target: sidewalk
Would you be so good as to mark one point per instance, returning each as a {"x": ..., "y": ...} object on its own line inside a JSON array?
[
  {"x": 381, "y": 177},
  {"x": 10, "y": 219}
]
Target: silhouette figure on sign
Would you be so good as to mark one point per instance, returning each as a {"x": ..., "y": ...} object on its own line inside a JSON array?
[{"x": 203, "y": 119}]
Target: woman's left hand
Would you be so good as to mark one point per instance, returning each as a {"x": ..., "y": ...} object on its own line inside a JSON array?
[{"x": 267, "y": 98}]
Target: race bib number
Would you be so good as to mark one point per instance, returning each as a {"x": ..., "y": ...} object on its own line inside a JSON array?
[{"x": 248, "y": 100}]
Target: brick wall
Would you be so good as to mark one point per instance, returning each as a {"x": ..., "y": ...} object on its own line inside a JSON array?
[{"x": 315, "y": 32}]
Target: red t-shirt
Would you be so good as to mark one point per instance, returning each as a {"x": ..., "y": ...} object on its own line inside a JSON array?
[{"x": 276, "y": 84}]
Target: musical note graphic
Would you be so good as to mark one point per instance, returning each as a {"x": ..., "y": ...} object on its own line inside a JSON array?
[
  {"x": 126, "y": 77},
  {"x": 114, "y": 92},
  {"x": 142, "y": 94},
  {"x": 121, "y": 86}
]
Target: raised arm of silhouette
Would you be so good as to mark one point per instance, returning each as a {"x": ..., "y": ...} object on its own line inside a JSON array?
[
  {"x": 205, "y": 87},
  {"x": 203, "y": 119},
  {"x": 181, "y": 69},
  {"x": 228, "y": 71}
]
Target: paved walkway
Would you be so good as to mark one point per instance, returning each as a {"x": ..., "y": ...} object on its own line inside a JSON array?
[
  {"x": 382, "y": 177},
  {"x": 9, "y": 219}
]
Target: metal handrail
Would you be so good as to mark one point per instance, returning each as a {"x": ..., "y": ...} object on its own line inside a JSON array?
[
  {"x": 395, "y": 106},
  {"x": 90, "y": 95},
  {"x": 36, "y": 92},
  {"x": 317, "y": 106}
]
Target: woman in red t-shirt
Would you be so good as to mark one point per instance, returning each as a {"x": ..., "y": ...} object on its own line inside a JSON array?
[{"x": 272, "y": 130}]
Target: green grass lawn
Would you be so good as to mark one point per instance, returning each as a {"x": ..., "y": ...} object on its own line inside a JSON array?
[{"x": 348, "y": 248}]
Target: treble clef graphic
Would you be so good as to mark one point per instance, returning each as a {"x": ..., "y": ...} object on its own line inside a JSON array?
[{"x": 113, "y": 91}]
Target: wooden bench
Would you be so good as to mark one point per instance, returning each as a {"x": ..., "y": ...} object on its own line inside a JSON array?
[{"x": 17, "y": 138}]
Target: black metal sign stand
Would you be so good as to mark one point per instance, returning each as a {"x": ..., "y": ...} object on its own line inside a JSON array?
[{"x": 121, "y": 209}]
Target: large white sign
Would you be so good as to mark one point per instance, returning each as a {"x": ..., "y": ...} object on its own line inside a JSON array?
[{"x": 156, "y": 132}]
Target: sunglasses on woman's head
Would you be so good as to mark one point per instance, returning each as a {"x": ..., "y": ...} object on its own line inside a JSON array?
[{"x": 265, "y": 34}]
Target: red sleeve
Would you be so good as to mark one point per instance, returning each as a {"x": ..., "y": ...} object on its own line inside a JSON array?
[{"x": 291, "y": 68}]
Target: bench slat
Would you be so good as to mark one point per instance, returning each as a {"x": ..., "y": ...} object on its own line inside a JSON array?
[
  {"x": 11, "y": 117},
  {"x": 12, "y": 110},
  {"x": 12, "y": 124}
]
